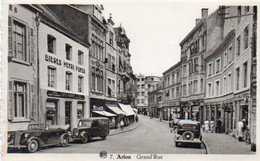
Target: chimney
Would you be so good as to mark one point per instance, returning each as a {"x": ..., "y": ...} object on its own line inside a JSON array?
[
  {"x": 204, "y": 12},
  {"x": 197, "y": 20}
]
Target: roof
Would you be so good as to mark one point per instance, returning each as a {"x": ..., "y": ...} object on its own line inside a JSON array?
[
  {"x": 188, "y": 122},
  {"x": 51, "y": 19},
  {"x": 172, "y": 67}
]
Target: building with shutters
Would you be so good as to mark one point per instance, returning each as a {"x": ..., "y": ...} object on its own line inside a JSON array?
[
  {"x": 172, "y": 92},
  {"x": 64, "y": 79},
  {"x": 22, "y": 66}
]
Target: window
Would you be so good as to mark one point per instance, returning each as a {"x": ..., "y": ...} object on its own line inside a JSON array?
[
  {"x": 195, "y": 86},
  {"x": 218, "y": 66},
  {"x": 143, "y": 101},
  {"x": 173, "y": 78},
  {"x": 51, "y": 77},
  {"x": 185, "y": 71},
  {"x": 20, "y": 97},
  {"x": 245, "y": 74},
  {"x": 138, "y": 101},
  {"x": 238, "y": 45},
  {"x": 68, "y": 51},
  {"x": 80, "y": 58},
  {"x": 217, "y": 88},
  {"x": 238, "y": 75},
  {"x": 111, "y": 35},
  {"x": 210, "y": 69},
  {"x": 246, "y": 38},
  {"x": 177, "y": 92},
  {"x": 238, "y": 14},
  {"x": 80, "y": 110},
  {"x": 246, "y": 8},
  {"x": 173, "y": 93},
  {"x": 184, "y": 90},
  {"x": 51, "y": 44},
  {"x": 230, "y": 55},
  {"x": 229, "y": 83},
  {"x": 142, "y": 79},
  {"x": 178, "y": 77},
  {"x": 68, "y": 80},
  {"x": 196, "y": 64},
  {"x": 209, "y": 90},
  {"x": 80, "y": 84},
  {"x": 201, "y": 85},
  {"x": 19, "y": 41},
  {"x": 142, "y": 93},
  {"x": 225, "y": 60},
  {"x": 142, "y": 86}
]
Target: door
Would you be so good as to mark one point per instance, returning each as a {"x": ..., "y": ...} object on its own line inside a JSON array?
[{"x": 67, "y": 113}]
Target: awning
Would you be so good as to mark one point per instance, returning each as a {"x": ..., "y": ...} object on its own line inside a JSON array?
[
  {"x": 135, "y": 110},
  {"x": 104, "y": 113},
  {"x": 115, "y": 109},
  {"x": 127, "y": 109}
]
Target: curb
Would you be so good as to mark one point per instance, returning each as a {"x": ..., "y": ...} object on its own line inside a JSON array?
[
  {"x": 125, "y": 130},
  {"x": 206, "y": 147}
]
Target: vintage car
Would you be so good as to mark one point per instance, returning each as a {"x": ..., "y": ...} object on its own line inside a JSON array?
[
  {"x": 91, "y": 127},
  {"x": 37, "y": 136},
  {"x": 188, "y": 131}
]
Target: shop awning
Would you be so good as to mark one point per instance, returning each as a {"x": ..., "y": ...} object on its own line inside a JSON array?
[
  {"x": 127, "y": 109},
  {"x": 135, "y": 110},
  {"x": 104, "y": 113},
  {"x": 115, "y": 109}
]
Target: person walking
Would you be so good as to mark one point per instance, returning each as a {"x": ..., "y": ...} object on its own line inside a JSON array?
[
  {"x": 121, "y": 124},
  {"x": 219, "y": 123}
]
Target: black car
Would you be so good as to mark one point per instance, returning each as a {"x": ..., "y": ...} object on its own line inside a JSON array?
[
  {"x": 188, "y": 131},
  {"x": 37, "y": 136},
  {"x": 91, "y": 127}
]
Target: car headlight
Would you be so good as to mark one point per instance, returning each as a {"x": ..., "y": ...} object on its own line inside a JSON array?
[{"x": 26, "y": 135}]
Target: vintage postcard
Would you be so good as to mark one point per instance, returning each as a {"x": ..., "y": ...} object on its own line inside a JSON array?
[{"x": 129, "y": 80}]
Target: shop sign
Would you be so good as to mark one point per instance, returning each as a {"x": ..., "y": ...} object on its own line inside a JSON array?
[
  {"x": 68, "y": 65},
  {"x": 65, "y": 95},
  {"x": 98, "y": 108}
]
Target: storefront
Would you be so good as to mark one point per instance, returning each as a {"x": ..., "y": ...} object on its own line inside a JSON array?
[
  {"x": 113, "y": 108},
  {"x": 130, "y": 114}
]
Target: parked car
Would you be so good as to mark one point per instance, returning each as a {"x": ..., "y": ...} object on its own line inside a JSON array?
[
  {"x": 91, "y": 127},
  {"x": 37, "y": 136},
  {"x": 188, "y": 131}
]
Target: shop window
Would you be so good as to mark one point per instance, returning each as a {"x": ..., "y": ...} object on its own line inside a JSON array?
[
  {"x": 51, "y": 108},
  {"x": 51, "y": 44},
  {"x": 20, "y": 100},
  {"x": 80, "y": 58},
  {"x": 80, "y": 110},
  {"x": 68, "y": 52}
]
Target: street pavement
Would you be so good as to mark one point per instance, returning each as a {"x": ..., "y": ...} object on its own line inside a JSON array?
[
  {"x": 150, "y": 136},
  {"x": 224, "y": 144}
]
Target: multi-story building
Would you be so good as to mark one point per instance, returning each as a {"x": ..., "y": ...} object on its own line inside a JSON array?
[
  {"x": 193, "y": 48},
  {"x": 155, "y": 101},
  {"x": 125, "y": 76},
  {"x": 145, "y": 84},
  {"x": 23, "y": 23},
  {"x": 229, "y": 68},
  {"x": 64, "y": 65},
  {"x": 172, "y": 92}
]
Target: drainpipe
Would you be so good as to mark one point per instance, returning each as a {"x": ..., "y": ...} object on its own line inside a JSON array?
[{"x": 38, "y": 70}]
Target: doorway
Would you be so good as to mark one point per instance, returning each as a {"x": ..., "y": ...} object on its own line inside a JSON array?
[{"x": 68, "y": 113}]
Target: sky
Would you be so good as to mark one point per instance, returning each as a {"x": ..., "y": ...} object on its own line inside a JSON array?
[{"x": 155, "y": 30}]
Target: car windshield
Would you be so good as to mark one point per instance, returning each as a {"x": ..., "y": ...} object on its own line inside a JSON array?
[
  {"x": 85, "y": 123},
  {"x": 36, "y": 127},
  {"x": 189, "y": 126}
]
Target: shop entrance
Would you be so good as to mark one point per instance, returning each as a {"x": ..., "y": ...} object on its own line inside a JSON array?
[
  {"x": 67, "y": 113},
  {"x": 51, "y": 112}
]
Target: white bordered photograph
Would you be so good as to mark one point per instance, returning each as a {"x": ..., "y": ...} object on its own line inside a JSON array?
[{"x": 138, "y": 80}]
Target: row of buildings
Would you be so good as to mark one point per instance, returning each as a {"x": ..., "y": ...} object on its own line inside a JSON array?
[
  {"x": 215, "y": 78},
  {"x": 66, "y": 62}
]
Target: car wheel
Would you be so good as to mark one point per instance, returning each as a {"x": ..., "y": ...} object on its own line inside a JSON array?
[
  {"x": 103, "y": 137},
  {"x": 187, "y": 135},
  {"x": 64, "y": 141},
  {"x": 176, "y": 144},
  {"x": 32, "y": 146},
  {"x": 85, "y": 138}
]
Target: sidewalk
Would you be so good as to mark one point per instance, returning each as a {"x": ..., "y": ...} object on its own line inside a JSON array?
[
  {"x": 128, "y": 128},
  {"x": 224, "y": 144}
]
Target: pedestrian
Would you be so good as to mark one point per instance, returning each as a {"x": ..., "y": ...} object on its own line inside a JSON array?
[
  {"x": 136, "y": 118},
  {"x": 219, "y": 123},
  {"x": 121, "y": 125}
]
